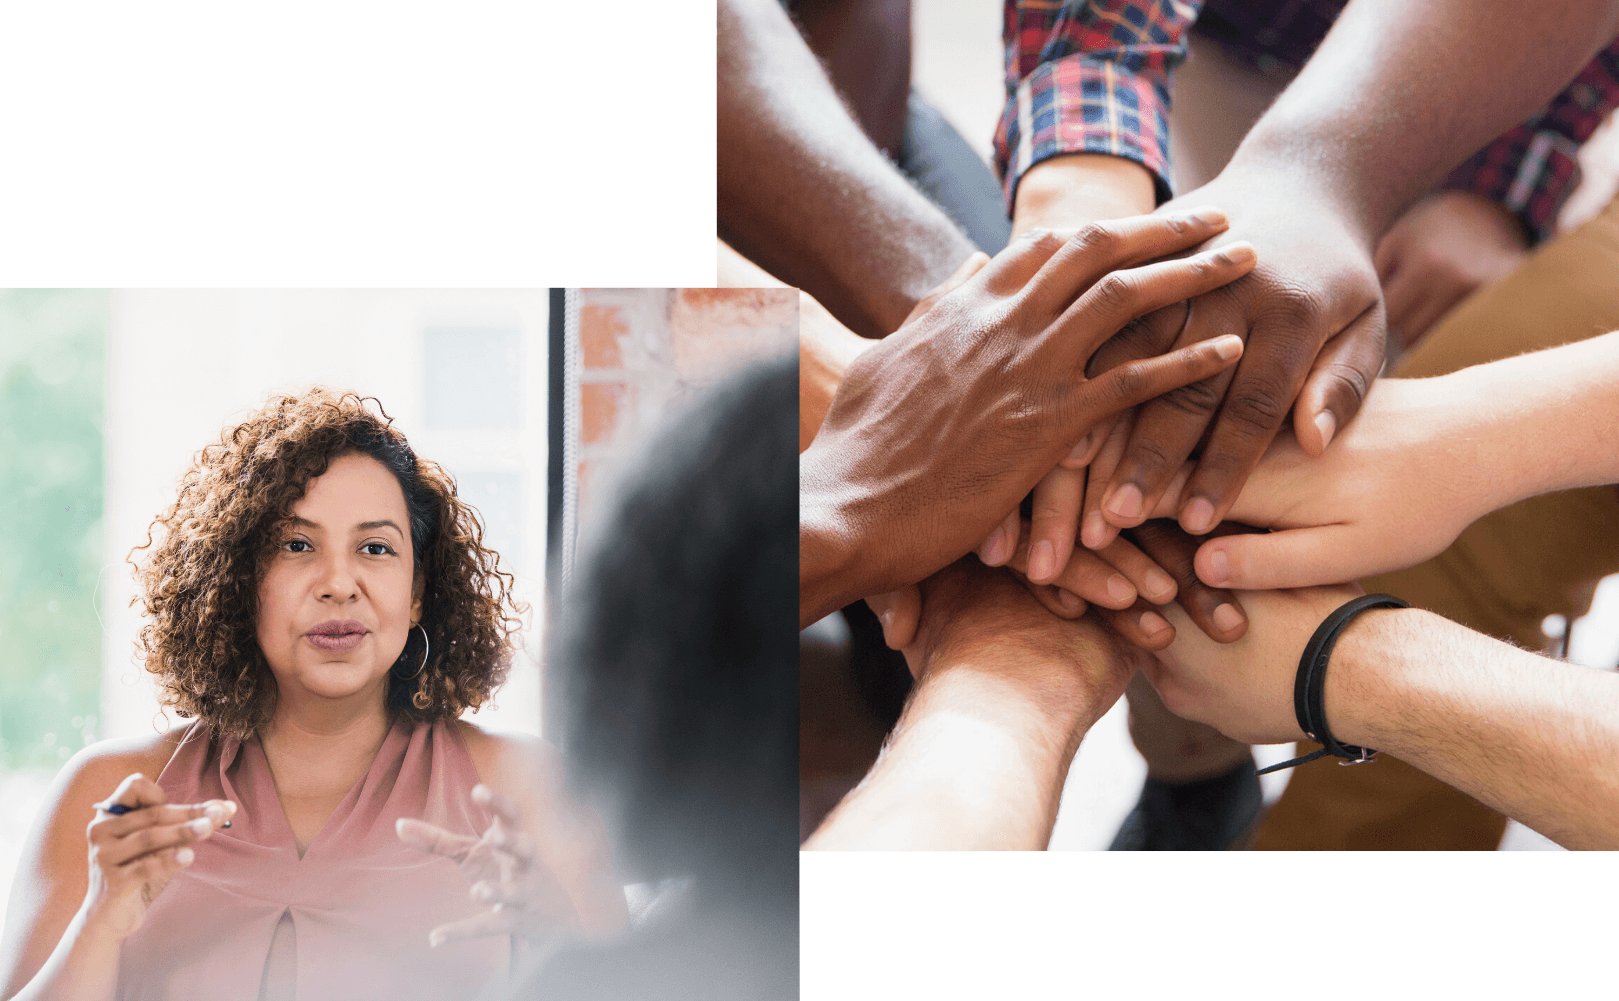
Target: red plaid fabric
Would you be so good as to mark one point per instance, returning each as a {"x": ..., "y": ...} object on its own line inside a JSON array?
[{"x": 1092, "y": 76}]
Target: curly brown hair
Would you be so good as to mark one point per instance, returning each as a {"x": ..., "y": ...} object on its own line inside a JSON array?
[{"x": 200, "y": 580}]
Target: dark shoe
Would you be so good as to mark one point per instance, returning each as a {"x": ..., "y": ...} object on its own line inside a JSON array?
[{"x": 1206, "y": 815}]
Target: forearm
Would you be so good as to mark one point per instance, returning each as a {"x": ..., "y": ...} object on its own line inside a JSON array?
[
  {"x": 1081, "y": 188},
  {"x": 1383, "y": 109},
  {"x": 974, "y": 763},
  {"x": 804, "y": 193},
  {"x": 83, "y": 967},
  {"x": 1531, "y": 737},
  {"x": 826, "y": 348},
  {"x": 1549, "y": 419}
]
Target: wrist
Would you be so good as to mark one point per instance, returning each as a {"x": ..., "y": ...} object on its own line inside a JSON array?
[
  {"x": 1081, "y": 188},
  {"x": 828, "y": 556},
  {"x": 1371, "y": 678},
  {"x": 1298, "y": 168}
]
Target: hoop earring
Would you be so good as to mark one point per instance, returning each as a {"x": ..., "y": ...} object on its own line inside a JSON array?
[{"x": 426, "y": 646}]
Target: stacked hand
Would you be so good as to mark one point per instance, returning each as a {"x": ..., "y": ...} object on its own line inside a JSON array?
[
  {"x": 527, "y": 901},
  {"x": 939, "y": 431},
  {"x": 136, "y": 849}
]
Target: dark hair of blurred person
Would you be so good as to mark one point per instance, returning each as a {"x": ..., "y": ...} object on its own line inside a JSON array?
[{"x": 673, "y": 687}]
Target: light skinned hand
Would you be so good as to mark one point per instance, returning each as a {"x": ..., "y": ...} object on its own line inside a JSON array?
[
  {"x": 979, "y": 618},
  {"x": 134, "y": 855},
  {"x": 1245, "y": 689},
  {"x": 525, "y": 900},
  {"x": 1312, "y": 317},
  {"x": 960, "y": 413},
  {"x": 1442, "y": 250},
  {"x": 1395, "y": 489}
]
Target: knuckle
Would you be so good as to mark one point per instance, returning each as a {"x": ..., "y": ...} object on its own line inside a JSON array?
[
  {"x": 1351, "y": 384},
  {"x": 1099, "y": 238},
  {"x": 1290, "y": 306},
  {"x": 1257, "y": 410},
  {"x": 1127, "y": 382},
  {"x": 1113, "y": 293},
  {"x": 1198, "y": 399},
  {"x": 1149, "y": 455}
]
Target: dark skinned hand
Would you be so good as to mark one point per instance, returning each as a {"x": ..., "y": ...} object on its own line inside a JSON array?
[
  {"x": 1312, "y": 318},
  {"x": 942, "y": 427}
]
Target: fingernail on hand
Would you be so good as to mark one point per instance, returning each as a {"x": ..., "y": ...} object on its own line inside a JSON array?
[
  {"x": 1327, "y": 425},
  {"x": 1152, "y": 623},
  {"x": 1209, "y": 215},
  {"x": 483, "y": 891},
  {"x": 1158, "y": 586},
  {"x": 991, "y": 553},
  {"x": 1198, "y": 516},
  {"x": 1226, "y": 617},
  {"x": 435, "y": 940},
  {"x": 1069, "y": 601},
  {"x": 1237, "y": 253},
  {"x": 1042, "y": 562},
  {"x": 1093, "y": 531},
  {"x": 1219, "y": 568},
  {"x": 1228, "y": 347},
  {"x": 201, "y": 826},
  {"x": 1078, "y": 452},
  {"x": 1120, "y": 590},
  {"x": 1125, "y": 504},
  {"x": 185, "y": 856}
]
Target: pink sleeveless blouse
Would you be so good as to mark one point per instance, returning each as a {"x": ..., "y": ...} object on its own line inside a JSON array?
[{"x": 361, "y": 902}]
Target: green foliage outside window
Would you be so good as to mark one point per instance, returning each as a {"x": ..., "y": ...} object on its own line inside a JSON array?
[{"x": 52, "y": 348}]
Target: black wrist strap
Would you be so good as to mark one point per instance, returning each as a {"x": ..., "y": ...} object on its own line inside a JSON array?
[{"x": 1310, "y": 685}]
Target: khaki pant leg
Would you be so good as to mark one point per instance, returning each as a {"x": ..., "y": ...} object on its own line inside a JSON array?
[{"x": 1502, "y": 576}]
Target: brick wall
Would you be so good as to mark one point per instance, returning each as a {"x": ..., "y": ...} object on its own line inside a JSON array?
[{"x": 643, "y": 352}]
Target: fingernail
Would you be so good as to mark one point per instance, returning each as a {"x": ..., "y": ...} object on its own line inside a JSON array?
[
  {"x": 1158, "y": 586},
  {"x": 1125, "y": 504},
  {"x": 1069, "y": 601},
  {"x": 1237, "y": 253},
  {"x": 201, "y": 826},
  {"x": 1327, "y": 425},
  {"x": 435, "y": 940},
  {"x": 1042, "y": 562},
  {"x": 1078, "y": 451},
  {"x": 1226, "y": 618},
  {"x": 1152, "y": 623},
  {"x": 1198, "y": 516},
  {"x": 483, "y": 891},
  {"x": 185, "y": 856},
  {"x": 1219, "y": 568},
  {"x": 1228, "y": 347},
  {"x": 887, "y": 619},
  {"x": 1120, "y": 590},
  {"x": 1094, "y": 530},
  {"x": 213, "y": 811},
  {"x": 991, "y": 554},
  {"x": 1208, "y": 214}
]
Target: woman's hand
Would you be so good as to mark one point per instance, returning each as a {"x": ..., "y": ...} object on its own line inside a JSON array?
[
  {"x": 133, "y": 855},
  {"x": 526, "y": 900},
  {"x": 960, "y": 413}
]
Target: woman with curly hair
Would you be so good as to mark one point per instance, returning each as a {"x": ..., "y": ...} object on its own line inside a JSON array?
[{"x": 321, "y": 605}]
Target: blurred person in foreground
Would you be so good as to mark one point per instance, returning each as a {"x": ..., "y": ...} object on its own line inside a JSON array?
[
  {"x": 319, "y": 601},
  {"x": 673, "y": 683}
]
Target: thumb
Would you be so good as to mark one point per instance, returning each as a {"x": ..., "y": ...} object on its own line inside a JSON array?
[
  {"x": 1300, "y": 557},
  {"x": 900, "y": 612}
]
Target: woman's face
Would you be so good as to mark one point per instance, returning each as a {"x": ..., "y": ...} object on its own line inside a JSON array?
[{"x": 337, "y": 602}]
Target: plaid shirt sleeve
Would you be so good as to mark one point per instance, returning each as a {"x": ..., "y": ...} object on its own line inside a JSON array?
[
  {"x": 1089, "y": 76},
  {"x": 1532, "y": 168}
]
